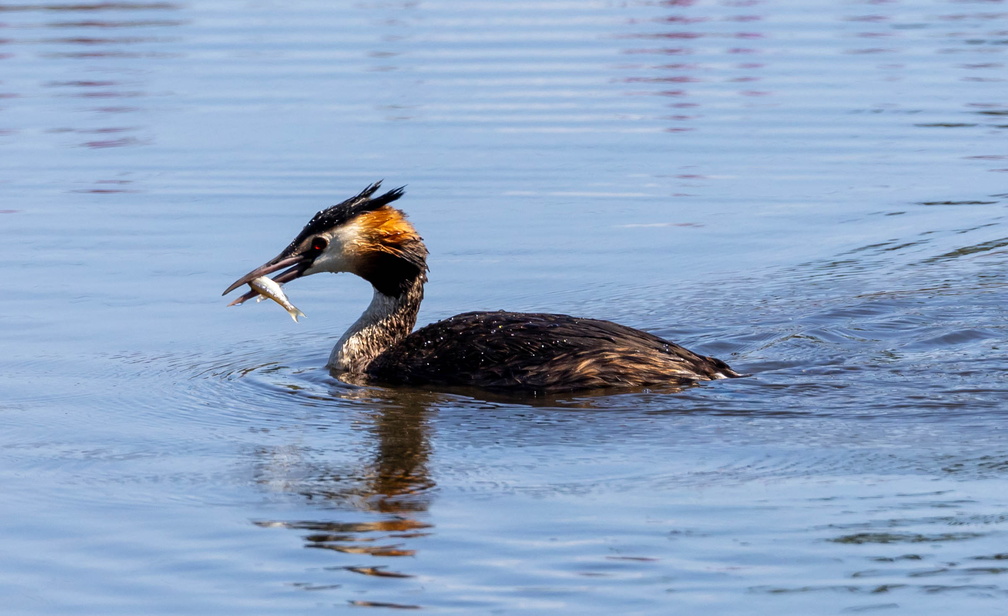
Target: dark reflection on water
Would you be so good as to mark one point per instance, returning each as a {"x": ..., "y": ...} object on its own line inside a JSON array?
[
  {"x": 395, "y": 477},
  {"x": 392, "y": 481}
]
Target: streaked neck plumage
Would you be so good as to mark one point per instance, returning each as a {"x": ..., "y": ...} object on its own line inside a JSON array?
[{"x": 387, "y": 320}]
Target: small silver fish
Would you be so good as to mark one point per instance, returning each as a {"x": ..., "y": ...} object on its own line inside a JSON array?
[{"x": 267, "y": 288}]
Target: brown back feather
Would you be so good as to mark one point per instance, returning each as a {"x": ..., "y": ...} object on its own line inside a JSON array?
[{"x": 541, "y": 352}]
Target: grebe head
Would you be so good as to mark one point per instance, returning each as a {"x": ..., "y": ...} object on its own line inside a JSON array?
[{"x": 363, "y": 235}]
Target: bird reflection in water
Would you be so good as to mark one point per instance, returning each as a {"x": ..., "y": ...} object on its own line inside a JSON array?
[{"x": 394, "y": 484}]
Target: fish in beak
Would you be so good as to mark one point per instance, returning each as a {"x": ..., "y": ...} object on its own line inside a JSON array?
[{"x": 293, "y": 267}]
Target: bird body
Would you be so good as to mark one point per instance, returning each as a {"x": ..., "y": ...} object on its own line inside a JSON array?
[
  {"x": 496, "y": 350},
  {"x": 541, "y": 352}
]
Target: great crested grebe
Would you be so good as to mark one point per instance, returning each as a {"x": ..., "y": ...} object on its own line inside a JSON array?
[{"x": 365, "y": 236}]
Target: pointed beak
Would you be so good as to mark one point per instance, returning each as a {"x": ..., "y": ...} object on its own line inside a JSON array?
[{"x": 296, "y": 266}]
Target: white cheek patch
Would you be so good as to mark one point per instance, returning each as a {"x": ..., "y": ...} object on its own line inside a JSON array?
[
  {"x": 339, "y": 255},
  {"x": 329, "y": 261}
]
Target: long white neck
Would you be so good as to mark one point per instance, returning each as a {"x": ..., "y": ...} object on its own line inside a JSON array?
[{"x": 386, "y": 321}]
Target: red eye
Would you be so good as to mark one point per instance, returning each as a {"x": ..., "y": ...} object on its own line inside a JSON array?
[{"x": 319, "y": 244}]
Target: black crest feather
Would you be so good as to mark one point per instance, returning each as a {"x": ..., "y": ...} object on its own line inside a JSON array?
[{"x": 338, "y": 214}]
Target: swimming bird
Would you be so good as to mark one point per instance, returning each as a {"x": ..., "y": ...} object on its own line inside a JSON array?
[{"x": 517, "y": 351}]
